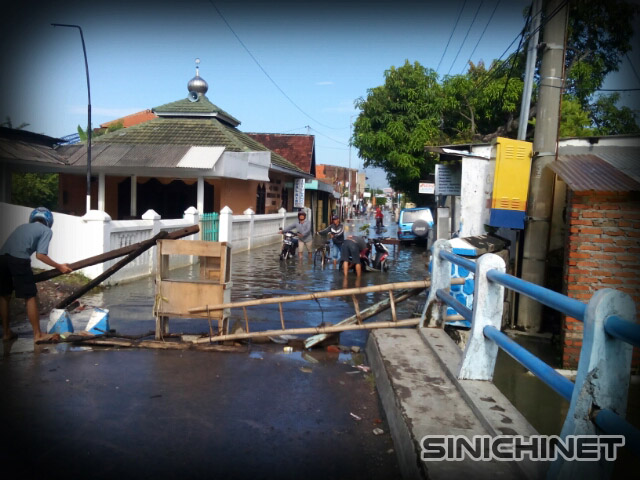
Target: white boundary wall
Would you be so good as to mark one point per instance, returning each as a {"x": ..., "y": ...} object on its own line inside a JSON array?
[{"x": 77, "y": 238}]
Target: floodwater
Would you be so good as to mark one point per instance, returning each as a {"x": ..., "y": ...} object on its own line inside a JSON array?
[{"x": 259, "y": 273}]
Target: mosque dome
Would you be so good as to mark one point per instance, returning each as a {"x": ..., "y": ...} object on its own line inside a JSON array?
[{"x": 198, "y": 84}]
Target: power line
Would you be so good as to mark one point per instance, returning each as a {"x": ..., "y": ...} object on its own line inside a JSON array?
[
  {"x": 465, "y": 36},
  {"x": 448, "y": 41},
  {"x": 618, "y": 89},
  {"x": 265, "y": 72},
  {"x": 513, "y": 63},
  {"x": 632, "y": 67},
  {"x": 326, "y": 136},
  {"x": 481, "y": 35}
]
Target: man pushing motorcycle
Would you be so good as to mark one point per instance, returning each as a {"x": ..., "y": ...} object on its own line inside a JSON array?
[{"x": 303, "y": 229}]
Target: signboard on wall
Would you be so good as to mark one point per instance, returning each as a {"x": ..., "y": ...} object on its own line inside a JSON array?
[
  {"x": 426, "y": 187},
  {"x": 298, "y": 193},
  {"x": 448, "y": 180}
]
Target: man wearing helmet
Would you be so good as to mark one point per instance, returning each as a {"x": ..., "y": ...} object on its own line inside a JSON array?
[
  {"x": 336, "y": 230},
  {"x": 303, "y": 229},
  {"x": 15, "y": 269}
]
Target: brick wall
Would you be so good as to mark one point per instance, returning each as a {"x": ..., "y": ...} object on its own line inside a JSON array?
[{"x": 602, "y": 251}]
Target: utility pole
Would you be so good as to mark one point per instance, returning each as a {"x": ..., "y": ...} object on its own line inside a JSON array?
[
  {"x": 540, "y": 202},
  {"x": 532, "y": 47}
]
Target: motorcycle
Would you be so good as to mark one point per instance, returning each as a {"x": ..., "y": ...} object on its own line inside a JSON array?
[
  {"x": 379, "y": 262},
  {"x": 289, "y": 245}
]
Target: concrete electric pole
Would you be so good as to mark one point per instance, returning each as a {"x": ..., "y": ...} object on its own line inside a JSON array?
[{"x": 539, "y": 205}]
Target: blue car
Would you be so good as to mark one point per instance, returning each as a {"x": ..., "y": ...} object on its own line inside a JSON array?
[{"x": 421, "y": 217}]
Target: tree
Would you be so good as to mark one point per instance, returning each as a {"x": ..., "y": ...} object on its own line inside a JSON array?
[
  {"x": 9, "y": 124},
  {"x": 35, "y": 189},
  {"x": 396, "y": 122},
  {"x": 99, "y": 131}
]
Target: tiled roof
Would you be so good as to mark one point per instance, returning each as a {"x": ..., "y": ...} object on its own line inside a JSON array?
[
  {"x": 201, "y": 107},
  {"x": 190, "y": 132},
  {"x": 298, "y": 149},
  {"x": 133, "y": 119}
]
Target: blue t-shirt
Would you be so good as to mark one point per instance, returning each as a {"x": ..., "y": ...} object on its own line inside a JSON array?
[{"x": 26, "y": 239}]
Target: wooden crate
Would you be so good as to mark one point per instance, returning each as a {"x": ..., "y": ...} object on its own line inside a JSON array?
[{"x": 174, "y": 296}]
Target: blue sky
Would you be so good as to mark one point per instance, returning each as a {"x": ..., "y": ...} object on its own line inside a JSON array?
[{"x": 322, "y": 54}]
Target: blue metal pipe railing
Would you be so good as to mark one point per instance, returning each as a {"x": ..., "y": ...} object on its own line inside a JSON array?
[
  {"x": 544, "y": 372},
  {"x": 455, "y": 304},
  {"x": 463, "y": 262},
  {"x": 613, "y": 424},
  {"x": 623, "y": 330},
  {"x": 569, "y": 306}
]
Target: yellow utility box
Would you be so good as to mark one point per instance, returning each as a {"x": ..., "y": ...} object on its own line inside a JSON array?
[
  {"x": 175, "y": 295},
  {"x": 510, "y": 183}
]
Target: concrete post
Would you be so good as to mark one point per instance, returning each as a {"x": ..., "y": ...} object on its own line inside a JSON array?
[
  {"x": 200, "y": 195},
  {"x": 97, "y": 231},
  {"x": 536, "y": 234},
  {"x": 434, "y": 309},
  {"x": 225, "y": 225},
  {"x": 155, "y": 218},
  {"x": 134, "y": 196},
  {"x": 602, "y": 379},
  {"x": 283, "y": 213},
  {"x": 101, "y": 191},
  {"x": 251, "y": 214},
  {"x": 191, "y": 215},
  {"x": 480, "y": 354}
]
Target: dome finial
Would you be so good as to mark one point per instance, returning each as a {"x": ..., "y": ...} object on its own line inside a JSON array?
[{"x": 198, "y": 84}]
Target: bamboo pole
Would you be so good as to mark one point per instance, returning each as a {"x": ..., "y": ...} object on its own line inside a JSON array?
[
  {"x": 392, "y": 304},
  {"x": 311, "y": 330},
  {"x": 327, "y": 294},
  {"x": 246, "y": 319},
  {"x": 119, "y": 252},
  {"x": 356, "y": 307},
  {"x": 366, "y": 313},
  {"x": 281, "y": 315}
]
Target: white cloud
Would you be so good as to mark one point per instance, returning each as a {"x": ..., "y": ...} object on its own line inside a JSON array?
[
  {"x": 346, "y": 106},
  {"x": 324, "y": 83}
]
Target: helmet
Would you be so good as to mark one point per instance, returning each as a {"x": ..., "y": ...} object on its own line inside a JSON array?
[
  {"x": 43, "y": 215},
  {"x": 303, "y": 213},
  {"x": 335, "y": 217}
]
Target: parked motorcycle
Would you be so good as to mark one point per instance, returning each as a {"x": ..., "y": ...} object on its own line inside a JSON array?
[
  {"x": 379, "y": 262},
  {"x": 289, "y": 245}
]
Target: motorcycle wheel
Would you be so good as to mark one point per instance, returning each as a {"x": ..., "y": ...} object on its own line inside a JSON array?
[{"x": 385, "y": 267}]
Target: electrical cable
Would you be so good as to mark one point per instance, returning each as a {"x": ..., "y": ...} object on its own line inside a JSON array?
[
  {"x": 265, "y": 72},
  {"x": 481, "y": 35},
  {"x": 452, "y": 31},
  {"x": 632, "y": 67},
  {"x": 513, "y": 64},
  {"x": 466, "y": 35}
]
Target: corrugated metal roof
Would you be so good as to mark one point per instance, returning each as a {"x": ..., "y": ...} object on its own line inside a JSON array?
[
  {"x": 590, "y": 172},
  {"x": 19, "y": 150}
]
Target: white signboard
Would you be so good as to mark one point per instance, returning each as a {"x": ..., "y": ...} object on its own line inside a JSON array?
[
  {"x": 448, "y": 180},
  {"x": 366, "y": 194},
  {"x": 426, "y": 187},
  {"x": 298, "y": 193}
]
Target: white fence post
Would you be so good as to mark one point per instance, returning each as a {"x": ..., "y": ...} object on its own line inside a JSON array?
[
  {"x": 283, "y": 213},
  {"x": 434, "y": 309},
  {"x": 225, "y": 225},
  {"x": 192, "y": 215},
  {"x": 155, "y": 218},
  {"x": 480, "y": 353},
  {"x": 251, "y": 214},
  {"x": 97, "y": 231},
  {"x": 602, "y": 380}
]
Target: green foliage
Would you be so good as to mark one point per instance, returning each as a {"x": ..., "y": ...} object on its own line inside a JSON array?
[
  {"x": 99, "y": 131},
  {"x": 35, "y": 189},
  {"x": 611, "y": 120}
]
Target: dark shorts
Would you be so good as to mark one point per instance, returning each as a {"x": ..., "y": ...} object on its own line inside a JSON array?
[
  {"x": 350, "y": 249},
  {"x": 16, "y": 274}
]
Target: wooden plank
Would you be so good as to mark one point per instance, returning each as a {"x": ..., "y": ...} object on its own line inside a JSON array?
[
  {"x": 105, "y": 257},
  {"x": 281, "y": 315},
  {"x": 356, "y": 307},
  {"x": 174, "y": 298},
  {"x": 191, "y": 247},
  {"x": 411, "y": 322}
]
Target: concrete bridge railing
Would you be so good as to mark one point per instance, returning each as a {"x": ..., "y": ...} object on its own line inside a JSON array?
[{"x": 598, "y": 399}]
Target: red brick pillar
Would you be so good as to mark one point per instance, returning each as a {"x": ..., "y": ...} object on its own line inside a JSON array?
[{"x": 602, "y": 251}]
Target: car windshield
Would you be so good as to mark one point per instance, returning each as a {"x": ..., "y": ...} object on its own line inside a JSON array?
[{"x": 410, "y": 216}]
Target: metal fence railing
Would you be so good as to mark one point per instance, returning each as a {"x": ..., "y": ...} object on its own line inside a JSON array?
[
  {"x": 209, "y": 226},
  {"x": 598, "y": 399}
]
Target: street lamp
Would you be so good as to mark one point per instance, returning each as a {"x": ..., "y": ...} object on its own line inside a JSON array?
[{"x": 86, "y": 66}]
